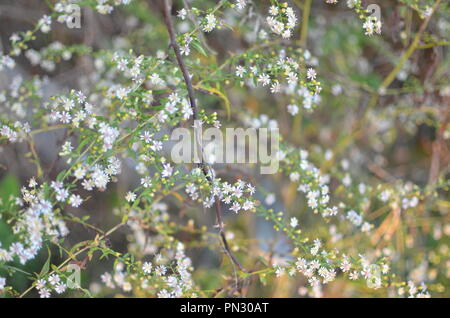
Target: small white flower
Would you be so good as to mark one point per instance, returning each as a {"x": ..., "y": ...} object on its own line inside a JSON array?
[
  {"x": 273, "y": 10},
  {"x": 182, "y": 14},
  {"x": 146, "y": 182},
  {"x": 60, "y": 288},
  {"x": 292, "y": 109},
  {"x": 147, "y": 267},
  {"x": 54, "y": 279},
  {"x": 168, "y": 170},
  {"x": 248, "y": 205},
  {"x": 235, "y": 207},
  {"x": 311, "y": 74},
  {"x": 264, "y": 79},
  {"x": 241, "y": 4},
  {"x": 130, "y": 197},
  {"x": 294, "y": 222},
  {"x": 44, "y": 293},
  {"x": 75, "y": 200},
  {"x": 240, "y": 71},
  {"x": 270, "y": 199},
  {"x": 210, "y": 23}
]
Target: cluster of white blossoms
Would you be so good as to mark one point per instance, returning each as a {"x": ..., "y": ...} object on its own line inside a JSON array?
[
  {"x": 185, "y": 48},
  {"x": 267, "y": 74},
  {"x": 413, "y": 291},
  {"x": 241, "y": 4},
  {"x": 321, "y": 267},
  {"x": 282, "y": 20},
  {"x": 16, "y": 134},
  {"x": 6, "y": 62},
  {"x": 74, "y": 110},
  {"x": 357, "y": 220},
  {"x": 236, "y": 196},
  {"x": 54, "y": 282},
  {"x": 170, "y": 270},
  {"x": 37, "y": 222},
  {"x": 45, "y": 57},
  {"x": 136, "y": 99},
  {"x": 107, "y": 6},
  {"x": 175, "y": 104},
  {"x": 98, "y": 176},
  {"x": 2, "y": 283},
  {"x": 209, "y": 23},
  {"x": 372, "y": 25},
  {"x": 311, "y": 181},
  {"x": 45, "y": 24}
]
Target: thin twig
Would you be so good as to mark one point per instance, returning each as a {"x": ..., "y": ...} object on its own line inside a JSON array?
[
  {"x": 412, "y": 48},
  {"x": 167, "y": 7}
]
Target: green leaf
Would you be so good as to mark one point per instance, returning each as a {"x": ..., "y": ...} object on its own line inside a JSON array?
[
  {"x": 46, "y": 266},
  {"x": 9, "y": 186},
  {"x": 198, "y": 48}
]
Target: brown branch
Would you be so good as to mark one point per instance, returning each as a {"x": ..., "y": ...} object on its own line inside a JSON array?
[
  {"x": 173, "y": 43},
  {"x": 167, "y": 8}
]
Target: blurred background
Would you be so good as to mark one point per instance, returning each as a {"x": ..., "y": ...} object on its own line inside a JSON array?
[{"x": 401, "y": 140}]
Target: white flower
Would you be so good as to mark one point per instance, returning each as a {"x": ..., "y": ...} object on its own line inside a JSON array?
[
  {"x": 264, "y": 79},
  {"x": 235, "y": 207},
  {"x": 75, "y": 200},
  {"x": 294, "y": 222},
  {"x": 385, "y": 195},
  {"x": 248, "y": 205},
  {"x": 2, "y": 283},
  {"x": 168, "y": 170},
  {"x": 54, "y": 279},
  {"x": 251, "y": 189},
  {"x": 44, "y": 293},
  {"x": 79, "y": 173},
  {"x": 146, "y": 182},
  {"x": 45, "y": 23},
  {"x": 156, "y": 146},
  {"x": 40, "y": 283},
  {"x": 273, "y": 10},
  {"x": 240, "y": 71},
  {"x": 270, "y": 199},
  {"x": 60, "y": 288},
  {"x": 182, "y": 14},
  {"x": 276, "y": 87},
  {"x": 160, "y": 270},
  {"x": 146, "y": 137},
  {"x": 210, "y": 23},
  {"x": 130, "y": 197},
  {"x": 241, "y": 4},
  {"x": 107, "y": 279},
  {"x": 286, "y": 34},
  {"x": 147, "y": 267},
  {"x": 292, "y": 78},
  {"x": 311, "y": 74},
  {"x": 292, "y": 109},
  {"x": 185, "y": 50},
  {"x": 294, "y": 176}
]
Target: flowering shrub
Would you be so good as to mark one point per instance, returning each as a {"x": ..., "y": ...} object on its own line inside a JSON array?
[{"x": 93, "y": 204}]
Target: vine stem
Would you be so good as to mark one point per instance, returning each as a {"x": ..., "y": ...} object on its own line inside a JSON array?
[
  {"x": 72, "y": 256},
  {"x": 411, "y": 49},
  {"x": 167, "y": 8},
  {"x": 305, "y": 22},
  {"x": 360, "y": 127}
]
